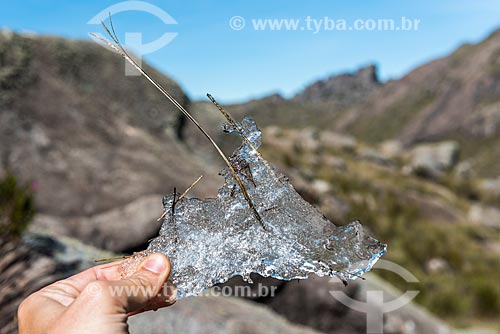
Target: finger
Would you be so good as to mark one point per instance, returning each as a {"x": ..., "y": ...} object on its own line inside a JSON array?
[
  {"x": 144, "y": 285},
  {"x": 166, "y": 297},
  {"x": 75, "y": 284}
]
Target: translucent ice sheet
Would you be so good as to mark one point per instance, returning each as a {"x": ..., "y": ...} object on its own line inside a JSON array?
[{"x": 209, "y": 241}]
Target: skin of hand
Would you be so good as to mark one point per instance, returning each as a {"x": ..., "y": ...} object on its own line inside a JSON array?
[{"x": 98, "y": 300}]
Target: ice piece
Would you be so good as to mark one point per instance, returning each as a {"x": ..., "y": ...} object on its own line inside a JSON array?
[{"x": 211, "y": 240}]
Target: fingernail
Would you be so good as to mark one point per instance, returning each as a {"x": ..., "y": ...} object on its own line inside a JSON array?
[
  {"x": 156, "y": 264},
  {"x": 171, "y": 291}
]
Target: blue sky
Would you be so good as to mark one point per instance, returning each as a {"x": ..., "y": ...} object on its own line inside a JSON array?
[{"x": 208, "y": 56}]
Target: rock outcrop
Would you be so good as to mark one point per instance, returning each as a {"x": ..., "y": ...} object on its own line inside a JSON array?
[
  {"x": 91, "y": 140},
  {"x": 122, "y": 229},
  {"x": 434, "y": 159},
  {"x": 222, "y": 315},
  {"x": 71, "y": 121},
  {"x": 346, "y": 89},
  {"x": 33, "y": 262}
]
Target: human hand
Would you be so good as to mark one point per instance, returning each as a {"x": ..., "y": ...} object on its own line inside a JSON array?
[{"x": 97, "y": 301}]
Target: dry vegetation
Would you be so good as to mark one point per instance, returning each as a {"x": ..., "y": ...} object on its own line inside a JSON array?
[{"x": 423, "y": 221}]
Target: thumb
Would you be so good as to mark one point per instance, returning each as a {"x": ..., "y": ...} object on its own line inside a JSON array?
[{"x": 145, "y": 284}]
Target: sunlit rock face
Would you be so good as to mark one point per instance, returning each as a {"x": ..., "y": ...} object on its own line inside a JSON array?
[{"x": 211, "y": 240}]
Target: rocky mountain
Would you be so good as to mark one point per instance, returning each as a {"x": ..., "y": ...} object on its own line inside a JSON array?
[
  {"x": 89, "y": 139},
  {"x": 315, "y": 106},
  {"x": 318, "y": 104},
  {"x": 457, "y": 94},
  {"x": 455, "y": 98}
]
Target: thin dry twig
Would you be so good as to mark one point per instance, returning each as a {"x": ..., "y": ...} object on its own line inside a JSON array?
[
  {"x": 189, "y": 188},
  {"x": 117, "y": 47},
  {"x": 114, "y": 258},
  {"x": 182, "y": 196},
  {"x": 237, "y": 126}
]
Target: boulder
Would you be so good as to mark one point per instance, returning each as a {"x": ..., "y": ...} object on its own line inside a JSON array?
[
  {"x": 485, "y": 215},
  {"x": 321, "y": 187},
  {"x": 118, "y": 230},
  {"x": 490, "y": 187},
  {"x": 314, "y": 302},
  {"x": 336, "y": 141},
  {"x": 221, "y": 315},
  {"x": 434, "y": 159}
]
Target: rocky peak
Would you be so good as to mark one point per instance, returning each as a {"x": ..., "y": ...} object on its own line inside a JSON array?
[
  {"x": 346, "y": 88},
  {"x": 273, "y": 98}
]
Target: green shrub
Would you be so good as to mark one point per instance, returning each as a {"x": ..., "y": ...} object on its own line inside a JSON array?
[
  {"x": 445, "y": 296},
  {"x": 15, "y": 60},
  {"x": 487, "y": 296},
  {"x": 16, "y": 207}
]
